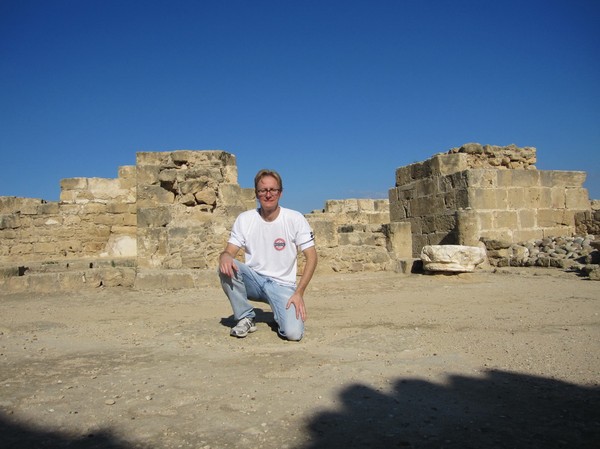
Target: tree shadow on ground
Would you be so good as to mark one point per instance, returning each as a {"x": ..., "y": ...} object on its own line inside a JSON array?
[
  {"x": 14, "y": 435},
  {"x": 500, "y": 410}
]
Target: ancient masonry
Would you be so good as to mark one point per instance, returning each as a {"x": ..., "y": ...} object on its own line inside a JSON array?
[{"x": 163, "y": 222}]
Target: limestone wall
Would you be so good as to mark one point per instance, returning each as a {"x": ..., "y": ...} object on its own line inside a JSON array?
[
  {"x": 356, "y": 235},
  {"x": 94, "y": 217},
  {"x": 479, "y": 192},
  {"x": 187, "y": 202},
  {"x": 163, "y": 222}
]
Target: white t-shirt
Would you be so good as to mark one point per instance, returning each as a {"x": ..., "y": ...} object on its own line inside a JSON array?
[{"x": 272, "y": 247}]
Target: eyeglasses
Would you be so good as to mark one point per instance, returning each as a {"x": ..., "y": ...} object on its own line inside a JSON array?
[{"x": 263, "y": 192}]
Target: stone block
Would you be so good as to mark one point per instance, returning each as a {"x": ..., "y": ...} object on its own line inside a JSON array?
[
  {"x": 527, "y": 218},
  {"x": 467, "y": 227},
  {"x": 577, "y": 199},
  {"x": 426, "y": 187},
  {"x": 524, "y": 178},
  {"x": 21, "y": 249},
  {"x": 378, "y": 218},
  {"x": 445, "y": 222},
  {"x": 428, "y": 224},
  {"x": 351, "y": 238},
  {"x": 558, "y": 178},
  {"x": 68, "y": 196},
  {"x": 459, "y": 180},
  {"x": 230, "y": 194},
  {"x": 127, "y": 172},
  {"x": 230, "y": 173},
  {"x": 334, "y": 207},
  {"x": 554, "y": 218},
  {"x": 30, "y": 208},
  {"x": 105, "y": 189},
  {"x": 381, "y": 205},
  {"x": 452, "y": 258},
  {"x": 557, "y": 197},
  {"x": 446, "y": 164},
  {"x": 93, "y": 209},
  {"x": 74, "y": 184},
  {"x": 206, "y": 196},
  {"x": 10, "y": 221},
  {"x": 459, "y": 201},
  {"x": 444, "y": 184},
  {"x": 403, "y": 176},
  {"x": 405, "y": 193},
  {"x": 537, "y": 197},
  {"x": 481, "y": 178},
  {"x": 501, "y": 199},
  {"x": 421, "y": 170},
  {"x": 350, "y": 205},
  {"x": 559, "y": 231},
  {"x": 515, "y": 198},
  {"x": 120, "y": 246},
  {"x": 45, "y": 248},
  {"x": 117, "y": 277},
  {"x": 118, "y": 208},
  {"x": 155, "y": 217},
  {"x": 365, "y": 205},
  {"x": 419, "y": 241},
  {"x": 48, "y": 208},
  {"x": 153, "y": 158},
  {"x": 398, "y": 211},
  {"x": 482, "y": 199},
  {"x": 504, "y": 178},
  {"x": 399, "y": 239},
  {"x": 129, "y": 220},
  {"x": 147, "y": 175},
  {"x": 505, "y": 219},
  {"x": 152, "y": 195}
]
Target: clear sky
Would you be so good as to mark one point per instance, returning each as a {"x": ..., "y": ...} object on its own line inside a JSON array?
[{"x": 334, "y": 94}]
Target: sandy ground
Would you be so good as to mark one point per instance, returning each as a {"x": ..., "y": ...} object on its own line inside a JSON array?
[{"x": 506, "y": 360}]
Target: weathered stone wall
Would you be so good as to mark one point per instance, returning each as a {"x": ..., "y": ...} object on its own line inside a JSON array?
[
  {"x": 187, "y": 202},
  {"x": 458, "y": 198},
  {"x": 356, "y": 235},
  {"x": 95, "y": 216},
  {"x": 163, "y": 222}
]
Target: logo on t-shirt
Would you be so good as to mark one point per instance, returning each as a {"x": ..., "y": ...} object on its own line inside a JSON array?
[{"x": 279, "y": 244}]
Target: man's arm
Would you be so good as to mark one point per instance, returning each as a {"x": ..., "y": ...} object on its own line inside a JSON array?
[
  {"x": 226, "y": 260},
  {"x": 310, "y": 255}
]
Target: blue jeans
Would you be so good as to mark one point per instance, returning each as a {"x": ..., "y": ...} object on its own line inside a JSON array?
[{"x": 248, "y": 284}]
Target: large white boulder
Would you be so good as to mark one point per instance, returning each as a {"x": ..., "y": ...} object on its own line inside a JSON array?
[{"x": 453, "y": 258}]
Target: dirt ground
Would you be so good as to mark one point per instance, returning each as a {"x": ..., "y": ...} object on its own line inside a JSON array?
[{"x": 503, "y": 360}]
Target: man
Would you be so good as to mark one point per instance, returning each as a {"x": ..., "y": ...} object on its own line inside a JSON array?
[{"x": 270, "y": 236}]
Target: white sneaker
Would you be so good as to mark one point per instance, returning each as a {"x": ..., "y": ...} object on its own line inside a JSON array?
[{"x": 244, "y": 327}]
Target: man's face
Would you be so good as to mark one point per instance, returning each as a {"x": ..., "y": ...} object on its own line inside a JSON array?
[{"x": 268, "y": 193}]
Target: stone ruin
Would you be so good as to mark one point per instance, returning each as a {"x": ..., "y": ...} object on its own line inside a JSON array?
[{"x": 163, "y": 222}]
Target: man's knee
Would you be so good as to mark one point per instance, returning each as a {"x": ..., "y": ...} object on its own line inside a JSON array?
[{"x": 292, "y": 333}]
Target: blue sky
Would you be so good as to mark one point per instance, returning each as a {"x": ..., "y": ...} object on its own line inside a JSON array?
[{"x": 333, "y": 94}]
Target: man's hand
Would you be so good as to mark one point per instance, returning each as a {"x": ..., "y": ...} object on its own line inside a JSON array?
[
  {"x": 226, "y": 261},
  {"x": 298, "y": 301}
]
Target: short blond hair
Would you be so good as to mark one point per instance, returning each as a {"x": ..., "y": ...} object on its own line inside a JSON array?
[{"x": 266, "y": 172}]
